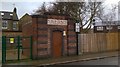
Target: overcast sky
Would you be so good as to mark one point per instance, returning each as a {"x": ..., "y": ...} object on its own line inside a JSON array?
[{"x": 31, "y": 5}]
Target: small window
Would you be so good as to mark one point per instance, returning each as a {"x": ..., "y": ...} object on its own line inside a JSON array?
[
  {"x": 2, "y": 13},
  {"x": 11, "y": 40},
  {"x": 118, "y": 27},
  {"x": 4, "y": 24},
  {"x": 99, "y": 28},
  {"x": 15, "y": 25},
  {"x": 11, "y": 14},
  {"x": 108, "y": 28}
]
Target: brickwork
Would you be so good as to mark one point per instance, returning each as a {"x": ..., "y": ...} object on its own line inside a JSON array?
[
  {"x": 42, "y": 35},
  {"x": 114, "y": 28},
  {"x": 71, "y": 38}
]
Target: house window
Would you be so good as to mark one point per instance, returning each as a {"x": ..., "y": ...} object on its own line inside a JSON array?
[
  {"x": 14, "y": 25},
  {"x": 99, "y": 28},
  {"x": 11, "y": 14},
  {"x": 2, "y": 13},
  {"x": 118, "y": 27},
  {"x": 4, "y": 24},
  {"x": 108, "y": 28}
]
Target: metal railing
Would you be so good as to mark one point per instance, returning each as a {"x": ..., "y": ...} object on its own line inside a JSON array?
[{"x": 7, "y": 51}]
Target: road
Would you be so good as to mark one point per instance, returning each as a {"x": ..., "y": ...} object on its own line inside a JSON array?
[{"x": 105, "y": 61}]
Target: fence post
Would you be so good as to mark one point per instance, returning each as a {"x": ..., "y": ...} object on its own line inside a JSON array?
[
  {"x": 18, "y": 41},
  {"x": 77, "y": 50},
  {"x": 31, "y": 42},
  {"x": 3, "y": 49}
]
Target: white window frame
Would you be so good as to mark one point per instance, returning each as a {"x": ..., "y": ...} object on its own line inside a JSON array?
[
  {"x": 2, "y": 13},
  {"x": 15, "y": 27},
  {"x": 118, "y": 27},
  {"x": 11, "y": 14},
  {"x": 109, "y": 28},
  {"x": 5, "y": 22},
  {"x": 100, "y": 28}
]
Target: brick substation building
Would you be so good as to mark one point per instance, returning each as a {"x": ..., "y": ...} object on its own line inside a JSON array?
[{"x": 53, "y": 36}]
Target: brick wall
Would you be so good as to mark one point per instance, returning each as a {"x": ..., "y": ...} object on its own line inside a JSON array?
[
  {"x": 71, "y": 37},
  {"x": 114, "y": 28},
  {"x": 27, "y": 31},
  {"x": 42, "y": 35}
]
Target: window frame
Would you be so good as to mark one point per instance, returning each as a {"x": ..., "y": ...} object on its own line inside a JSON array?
[
  {"x": 15, "y": 25},
  {"x": 118, "y": 27},
  {"x": 4, "y": 24},
  {"x": 100, "y": 28},
  {"x": 109, "y": 28}
]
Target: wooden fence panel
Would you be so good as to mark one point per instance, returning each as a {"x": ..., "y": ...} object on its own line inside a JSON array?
[
  {"x": 108, "y": 41},
  {"x": 98, "y": 42},
  {"x": 112, "y": 41},
  {"x": 119, "y": 40},
  {"x": 116, "y": 41},
  {"x": 86, "y": 43},
  {"x": 81, "y": 37},
  {"x": 95, "y": 43}
]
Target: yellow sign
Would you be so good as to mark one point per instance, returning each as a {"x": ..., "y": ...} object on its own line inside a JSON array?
[{"x": 11, "y": 40}]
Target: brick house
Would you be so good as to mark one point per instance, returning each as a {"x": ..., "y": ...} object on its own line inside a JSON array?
[
  {"x": 107, "y": 26},
  {"x": 24, "y": 20},
  {"x": 10, "y": 25},
  {"x": 53, "y": 35}
]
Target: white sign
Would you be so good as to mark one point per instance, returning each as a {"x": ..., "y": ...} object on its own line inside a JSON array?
[
  {"x": 56, "y": 22},
  {"x": 77, "y": 29}
]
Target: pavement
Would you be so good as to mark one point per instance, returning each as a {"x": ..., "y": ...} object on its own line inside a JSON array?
[
  {"x": 103, "y": 61},
  {"x": 66, "y": 59}
]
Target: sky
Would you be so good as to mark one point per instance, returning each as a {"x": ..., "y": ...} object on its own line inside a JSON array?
[{"x": 30, "y": 6}]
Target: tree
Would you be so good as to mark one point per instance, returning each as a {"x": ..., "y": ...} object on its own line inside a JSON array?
[
  {"x": 109, "y": 17},
  {"x": 41, "y": 10},
  {"x": 82, "y": 11}
]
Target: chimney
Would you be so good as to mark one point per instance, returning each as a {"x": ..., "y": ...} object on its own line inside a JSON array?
[{"x": 15, "y": 10}]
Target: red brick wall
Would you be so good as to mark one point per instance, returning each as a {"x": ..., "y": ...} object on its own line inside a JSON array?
[
  {"x": 42, "y": 43},
  {"x": 27, "y": 32},
  {"x": 71, "y": 37}
]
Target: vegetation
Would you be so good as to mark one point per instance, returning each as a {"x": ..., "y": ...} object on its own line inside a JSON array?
[{"x": 84, "y": 12}]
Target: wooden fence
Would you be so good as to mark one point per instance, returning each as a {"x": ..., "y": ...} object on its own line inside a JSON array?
[{"x": 98, "y": 42}]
